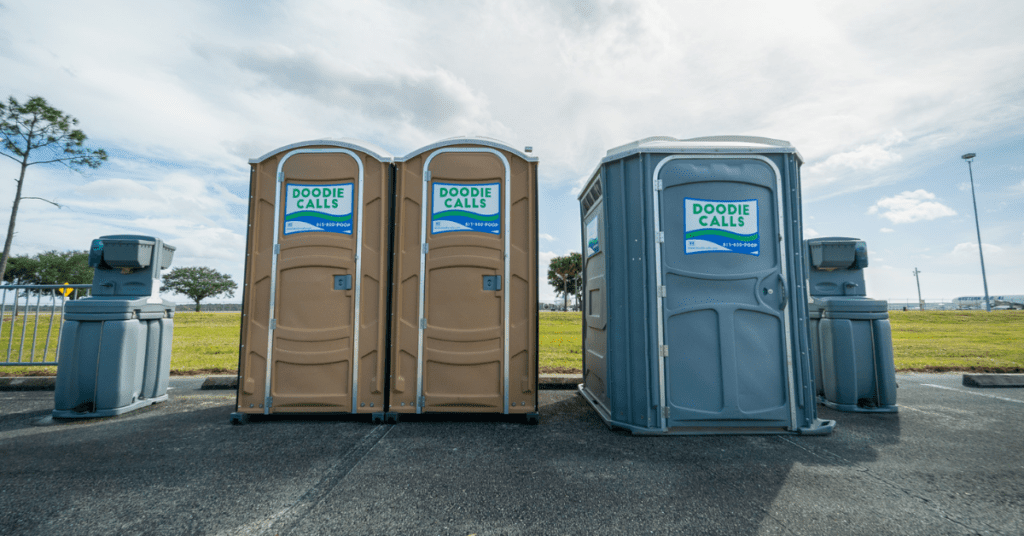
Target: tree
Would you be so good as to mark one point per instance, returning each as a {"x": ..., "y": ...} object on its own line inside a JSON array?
[
  {"x": 566, "y": 275},
  {"x": 50, "y": 268},
  {"x": 21, "y": 270},
  {"x": 198, "y": 283},
  {"x": 36, "y": 133}
]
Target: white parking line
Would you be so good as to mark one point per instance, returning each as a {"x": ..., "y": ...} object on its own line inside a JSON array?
[{"x": 972, "y": 393}]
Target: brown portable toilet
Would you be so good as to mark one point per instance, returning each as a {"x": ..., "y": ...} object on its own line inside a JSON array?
[
  {"x": 313, "y": 337},
  {"x": 465, "y": 281}
]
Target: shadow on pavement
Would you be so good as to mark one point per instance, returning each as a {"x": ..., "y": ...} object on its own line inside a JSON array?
[{"x": 181, "y": 467}]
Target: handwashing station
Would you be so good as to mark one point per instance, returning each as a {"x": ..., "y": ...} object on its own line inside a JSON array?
[
  {"x": 851, "y": 341},
  {"x": 115, "y": 347},
  {"x": 694, "y": 301}
]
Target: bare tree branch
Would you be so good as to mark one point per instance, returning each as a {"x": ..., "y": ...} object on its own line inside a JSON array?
[{"x": 54, "y": 203}]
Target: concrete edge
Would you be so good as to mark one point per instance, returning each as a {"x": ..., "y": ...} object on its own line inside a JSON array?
[
  {"x": 993, "y": 380},
  {"x": 220, "y": 382},
  {"x": 28, "y": 383},
  {"x": 559, "y": 381}
]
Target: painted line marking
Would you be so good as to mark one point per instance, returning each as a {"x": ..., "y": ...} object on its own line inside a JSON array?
[{"x": 972, "y": 393}]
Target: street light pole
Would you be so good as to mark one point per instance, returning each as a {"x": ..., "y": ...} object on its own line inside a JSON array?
[
  {"x": 920, "y": 302},
  {"x": 969, "y": 157}
]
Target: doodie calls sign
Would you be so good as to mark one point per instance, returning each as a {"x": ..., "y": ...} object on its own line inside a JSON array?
[
  {"x": 326, "y": 208},
  {"x": 721, "y": 226},
  {"x": 458, "y": 207}
]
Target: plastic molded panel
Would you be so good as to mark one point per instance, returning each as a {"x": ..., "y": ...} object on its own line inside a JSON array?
[
  {"x": 724, "y": 330},
  {"x": 101, "y": 368},
  {"x": 595, "y": 312},
  {"x": 858, "y": 373},
  {"x": 312, "y": 357}
]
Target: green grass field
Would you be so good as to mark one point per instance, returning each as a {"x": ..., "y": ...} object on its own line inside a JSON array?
[
  {"x": 975, "y": 341},
  {"x": 939, "y": 341},
  {"x": 561, "y": 339}
]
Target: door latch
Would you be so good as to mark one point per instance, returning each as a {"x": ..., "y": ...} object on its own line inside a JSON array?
[
  {"x": 343, "y": 282},
  {"x": 492, "y": 282}
]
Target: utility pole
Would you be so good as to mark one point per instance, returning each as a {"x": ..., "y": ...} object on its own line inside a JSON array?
[{"x": 920, "y": 302}]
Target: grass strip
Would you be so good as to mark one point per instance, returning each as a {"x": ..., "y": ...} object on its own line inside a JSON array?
[{"x": 928, "y": 341}]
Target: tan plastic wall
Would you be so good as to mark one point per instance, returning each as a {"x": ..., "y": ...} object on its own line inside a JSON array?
[
  {"x": 312, "y": 360},
  {"x": 463, "y": 343}
]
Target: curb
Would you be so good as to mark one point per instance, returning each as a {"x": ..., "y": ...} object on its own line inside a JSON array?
[
  {"x": 28, "y": 383},
  {"x": 994, "y": 380}
]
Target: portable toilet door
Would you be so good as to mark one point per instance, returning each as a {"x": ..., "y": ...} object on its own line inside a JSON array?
[
  {"x": 465, "y": 275},
  {"x": 314, "y": 301}
]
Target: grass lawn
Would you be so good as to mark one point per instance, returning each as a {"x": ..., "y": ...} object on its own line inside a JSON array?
[
  {"x": 204, "y": 343},
  {"x": 939, "y": 341},
  {"x": 561, "y": 342}
]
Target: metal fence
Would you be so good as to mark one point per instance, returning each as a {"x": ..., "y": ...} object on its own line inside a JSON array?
[{"x": 47, "y": 310}]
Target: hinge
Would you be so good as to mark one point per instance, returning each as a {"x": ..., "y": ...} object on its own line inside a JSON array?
[
  {"x": 663, "y": 350},
  {"x": 426, "y": 248},
  {"x": 426, "y": 177},
  {"x": 665, "y": 412},
  {"x": 658, "y": 185},
  {"x": 277, "y": 249},
  {"x": 662, "y": 291},
  {"x": 421, "y": 401},
  {"x": 273, "y": 323},
  {"x": 423, "y": 323},
  {"x": 659, "y": 237},
  {"x": 280, "y": 176},
  {"x": 269, "y": 401}
]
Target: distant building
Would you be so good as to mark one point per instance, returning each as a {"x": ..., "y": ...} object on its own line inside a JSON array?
[{"x": 1010, "y": 301}]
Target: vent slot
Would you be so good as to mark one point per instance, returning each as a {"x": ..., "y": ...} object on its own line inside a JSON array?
[{"x": 593, "y": 196}]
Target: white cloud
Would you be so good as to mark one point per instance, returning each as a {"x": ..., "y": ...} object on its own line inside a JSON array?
[
  {"x": 811, "y": 233},
  {"x": 186, "y": 93},
  {"x": 909, "y": 207},
  {"x": 886, "y": 230},
  {"x": 869, "y": 157},
  {"x": 969, "y": 250}
]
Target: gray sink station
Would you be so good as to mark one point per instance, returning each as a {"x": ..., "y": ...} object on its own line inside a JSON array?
[{"x": 115, "y": 347}]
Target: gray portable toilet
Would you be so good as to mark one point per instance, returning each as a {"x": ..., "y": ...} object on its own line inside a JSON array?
[
  {"x": 851, "y": 340},
  {"x": 115, "y": 346},
  {"x": 694, "y": 309}
]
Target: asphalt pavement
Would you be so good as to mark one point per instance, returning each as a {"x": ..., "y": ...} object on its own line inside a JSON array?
[{"x": 950, "y": 462}]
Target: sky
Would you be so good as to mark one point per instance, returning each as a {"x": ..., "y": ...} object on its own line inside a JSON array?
[{"x": 880, "y": 98}]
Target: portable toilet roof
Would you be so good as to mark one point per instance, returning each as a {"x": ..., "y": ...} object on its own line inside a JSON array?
[
  {"x": 713, "y": 144},
  {"x": 469, "y": 140},
  {"x": 346, "y": 143}
]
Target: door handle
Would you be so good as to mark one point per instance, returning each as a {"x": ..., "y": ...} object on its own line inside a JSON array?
[{"x": 785, "y": 297}]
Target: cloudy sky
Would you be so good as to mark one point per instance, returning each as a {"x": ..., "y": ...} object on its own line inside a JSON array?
[{"x": 880, "y": 98}]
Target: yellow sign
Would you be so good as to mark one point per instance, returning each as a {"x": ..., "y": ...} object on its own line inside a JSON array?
[{"x": 66, "y": 291}]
